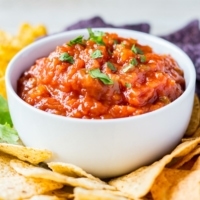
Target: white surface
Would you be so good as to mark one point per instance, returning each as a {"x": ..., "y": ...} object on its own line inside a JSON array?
[
  {"x": 164, "y": 15},
  {"x": 101, "y": 147}
]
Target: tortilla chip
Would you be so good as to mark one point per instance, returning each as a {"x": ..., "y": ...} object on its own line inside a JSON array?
[
  {"x": 186, "y": 158},
  {"x": 15, "y": 186},
  {"x": 138, "y": 183},
  {"x": 189, "y": 164},
  {"x": 196, "y": 133},
  {"x": 173, "y": 184},
  {"x": 195, "y": 117},
  {"x": 185, "y": 147},
  {"x": 29, "y": 154},
  {"x": 84, "y": 194},
  {"x": 2, "y": 85},
  {"x": 46, "y": 197},
  {"x": 37, "y": 172},
  {"x": 65, "y": 192},
  {"x": 70, "y": 170},
  {"x": 196, "y": 165}
]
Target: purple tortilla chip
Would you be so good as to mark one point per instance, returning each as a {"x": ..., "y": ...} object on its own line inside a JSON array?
[
  {"x": 188, "y": 34},
  {"x": 97, "y": 22},
  {"x": 188, "y": 39}
]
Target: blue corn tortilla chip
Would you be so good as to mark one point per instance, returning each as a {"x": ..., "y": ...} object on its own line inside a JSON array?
[
  {"x": 97, "y": 22},
  {"x": 188, "y": 39},
  {"x": 189, "y": 34}
]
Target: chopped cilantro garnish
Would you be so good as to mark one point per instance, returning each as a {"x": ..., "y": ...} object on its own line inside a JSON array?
[
  {"x": 128, "y": 85},
  {"x": 111, "y": 66},
  {"x": 143, "y": 58},
  {"x": 136, "y": 50},
  {"x": 77, "y": 40},
  {"x": 96, "y": 73},
  {"x": 134, "y": 62},
  {"x": 66, "y": 57},
  {"x": 131, "y": 65},
  {"x": 133, "y": 49},
  {"x": 96, "y": 36},
  {"x": 96, "y": 54}
]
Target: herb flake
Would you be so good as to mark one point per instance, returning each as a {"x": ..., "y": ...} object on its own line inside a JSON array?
[
  {"x": 77, "y": 40},
  {"x": 66, "y": 58},
  {"x": 111, "y": 67},
  {"x": 136, "y": 50},
  {"x": 96, "y": 73},
  {"x": 131, "y": 65},
  {"x": 128, "y": 85},
  {"x": 96, "y": 54},
  {"x": 143, "y": 58},
  {"x": 96, "y": 36}
]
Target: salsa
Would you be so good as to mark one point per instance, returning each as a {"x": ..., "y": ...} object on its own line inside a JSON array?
[{"x": 102, "y": 77}]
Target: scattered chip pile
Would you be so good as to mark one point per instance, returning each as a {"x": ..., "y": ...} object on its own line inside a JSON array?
[
  {"x": 11, "y": 44},
  {"x": 24, "y": 175}
]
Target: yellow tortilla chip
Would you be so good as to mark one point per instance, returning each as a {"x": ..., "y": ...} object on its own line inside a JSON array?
[
  {"x": 70, "y": 170},
  {"x": 196, "y": 165},
  {"x": 15, "y": 186},
  {"x": 186, "y": 158},
  {"x": 84, "y": 194},
  {"x": 37, "y": 172},
  {"x": 46, "y": 197},
  {"x": 185, "y": 147},
  {"x": 2, "y": 85},
  {"x": 138, "y": 183},
  {"x": 66, "y": 192},
  {"x": 29, "y": 154},
  {"x": 195, "y": 118},
  {"x": 173, "y": 184},
  {"x": 196, "y": 133}
]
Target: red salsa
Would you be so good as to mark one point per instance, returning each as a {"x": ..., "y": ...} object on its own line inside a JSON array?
[{"x": 102, "y": 77}]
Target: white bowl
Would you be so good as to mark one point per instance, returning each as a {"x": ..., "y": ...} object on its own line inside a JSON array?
[{"x": 105, "y": 148}]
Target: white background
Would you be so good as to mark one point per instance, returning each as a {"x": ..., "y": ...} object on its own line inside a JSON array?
[{"x": 164, "y": 16}]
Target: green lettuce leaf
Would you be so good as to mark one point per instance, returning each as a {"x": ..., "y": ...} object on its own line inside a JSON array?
[
  {"x": 4, "y": 112},
  {"x": 7, "y": 132}
]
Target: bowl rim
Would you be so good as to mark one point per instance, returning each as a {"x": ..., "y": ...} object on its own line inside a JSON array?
[{"x": 44, "y": 40}]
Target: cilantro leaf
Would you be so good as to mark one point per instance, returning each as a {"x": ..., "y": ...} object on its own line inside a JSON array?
[
  {"x": 131, "y": 65},
  {"x": 8, "y": 134},
  {"x": 96, "y": 73},
  {"x": 96, "y": 36},
  {"x": 128, "y": 85},
  {"x": 4, "y": 112},
  {"x": 77, "y": 40},
  {"x": 96, "y": 54},
  {"x": 143, "y": 58},
  {"x": 111, "y": 66},
  {"x": 136, "y": 50},
  {"x": 66, "y": 57},
  {"x": 134, "y": 62}
]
